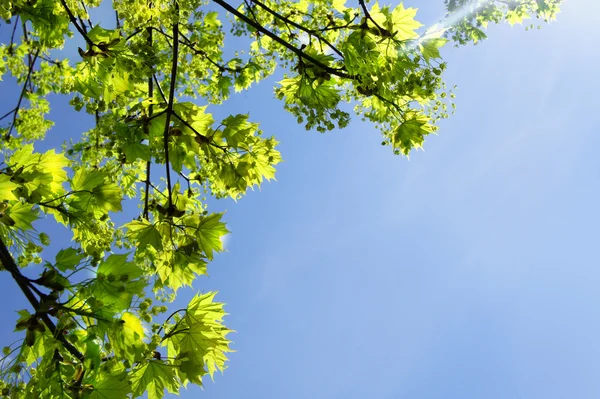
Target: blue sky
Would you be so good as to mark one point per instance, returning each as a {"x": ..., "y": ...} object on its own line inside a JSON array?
[{"x": 468, "y": 271}]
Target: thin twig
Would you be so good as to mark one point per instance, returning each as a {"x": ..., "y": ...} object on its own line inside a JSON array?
[
  {"x": 42, "y": 57},
  {"x": 187, "y": 124},
  {"x": 12, "y": 36},
  {"x": 301, "y": 54},
  {"x": 298, "y": 26},
  {"x": 7, "y": 114},
  {"x": 160, "y": 90},
  {"x": 88, "y": 14},
  {"x": 368, "y": 15},
  {"x": 135, "y": 32},
  {"x": 23, "y": 90},
  {"x": 187, "y": 42},
  {"x": 74, "y": 22}
]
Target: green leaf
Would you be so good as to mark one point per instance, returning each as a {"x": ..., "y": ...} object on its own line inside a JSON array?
[
  {"x": 100, "y": 35},
  {"x": 339, "y": 5},
  {"x": 113, "y": 386},
  {"x": 199, "y": 342},
  {"x": 118, "y": 265},
  {"x": 23, "y": 215},
  {"x": 411, "y": 133},
  {"x": 404, "y": 23},
  {"x": 108, "y": 196},
  {"x": 23, "y": 158},
  {"x": 135, "y": 151},
  {"x": 127, "y": 338},
  {"x": 67, "y": 259},
  {"x": 54, "y": 164},
  {"x": 144, "y": 233},
  {"x": 92, "y": 190},
  {"x": 6, "y": 188},
  {"x": 430, "y": 48},
  {"x": 209, "y": 231},
  {"x": 153, "y": 377},
  {"x": 87, "y": 179},
  {"x": 116, "y": 283}
]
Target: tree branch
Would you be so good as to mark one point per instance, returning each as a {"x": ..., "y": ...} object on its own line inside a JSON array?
[
  {"x": 8, "y": 113},
  {"x": 12, "y": 36},
  {"x": 198, "y": 134},
  {"x": 74, "y": 22},
  {"x": 298, "y": 26},
  {"x": 301, "y": 54},
  {"x": 23, "y": 283},
  {"x": 160, "y": 90},
  {"x": 369, "y": 17},
  {"x": 171, "y": 99},
  {"x": 23, "y": 90}
]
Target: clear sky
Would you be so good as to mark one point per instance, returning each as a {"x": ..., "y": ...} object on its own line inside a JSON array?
[{"x": 469, "y": 271}]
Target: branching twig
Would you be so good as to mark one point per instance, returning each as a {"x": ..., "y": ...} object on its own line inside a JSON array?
[
  {"x": 74, "y": 22},
  {"x": 187, "y": 42},
  {"x": 298, "y": 26},
  {"x": 198, "y": 134},
  {"x": 23, "y": 90},
  {"x": 169, "y": 318},
  {"x": 368, "y": 15},
  {"x": 10, "y": 265},
  {"x": 12, "y": 36},
  {"x": 42, "y": 57},
  {"x": 135, "y": 32},
  {"x": 8, "y": 113},
  {"x": 301, "y": 54},
  {"x": 89, "y": 21}
]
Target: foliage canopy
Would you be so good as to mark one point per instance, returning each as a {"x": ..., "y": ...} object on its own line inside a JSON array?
[{"x": 98, "y": 325}]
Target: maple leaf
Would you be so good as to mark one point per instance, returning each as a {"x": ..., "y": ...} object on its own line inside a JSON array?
[
  {"x": 7, "y": 187},
  {"x": 145, "y": 233},
  {"x": 153, "y": 377}
]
